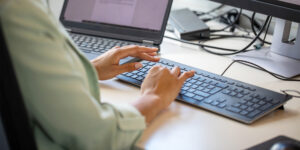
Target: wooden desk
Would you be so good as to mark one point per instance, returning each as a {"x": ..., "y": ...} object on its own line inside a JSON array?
[{"x": 186, "y": 127}]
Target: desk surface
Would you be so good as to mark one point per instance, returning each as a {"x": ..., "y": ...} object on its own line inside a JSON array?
[{"x": 186, "y": 127}]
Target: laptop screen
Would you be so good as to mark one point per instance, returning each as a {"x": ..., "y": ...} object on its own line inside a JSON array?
[{"x": 144, "y": 14}]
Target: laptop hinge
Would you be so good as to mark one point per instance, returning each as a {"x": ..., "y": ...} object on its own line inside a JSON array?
[
  {"x": 68, "y": 29},
  {"x": 147, "y": 42}
]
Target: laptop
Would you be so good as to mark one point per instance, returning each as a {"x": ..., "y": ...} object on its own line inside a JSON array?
[{"x": 98, "y": 25}]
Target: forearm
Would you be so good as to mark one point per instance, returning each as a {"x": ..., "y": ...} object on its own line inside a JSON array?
[{"x": 149, "y": 106}]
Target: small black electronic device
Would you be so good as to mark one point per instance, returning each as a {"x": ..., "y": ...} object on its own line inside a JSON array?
[
  {"x": 231, "y": 98},
  {"x": 285, "y": 145},
  {"x": 187, "y": 25},
  {"x": 277, "y": 143}
]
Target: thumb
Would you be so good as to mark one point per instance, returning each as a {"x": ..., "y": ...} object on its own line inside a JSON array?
[{"x": 129, "y": 67}]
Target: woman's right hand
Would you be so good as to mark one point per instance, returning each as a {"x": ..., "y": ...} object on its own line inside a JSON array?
[{"x": 160, "y": 87}]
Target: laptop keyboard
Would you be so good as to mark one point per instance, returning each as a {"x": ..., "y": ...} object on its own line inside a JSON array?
[
  {"x": 227, "y": 97},
  {"x": 94, "y": 46}
]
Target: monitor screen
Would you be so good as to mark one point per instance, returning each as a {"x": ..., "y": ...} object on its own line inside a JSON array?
[
  {"x": 144, "y": 14},
  {"x": 296, "y": 2}
]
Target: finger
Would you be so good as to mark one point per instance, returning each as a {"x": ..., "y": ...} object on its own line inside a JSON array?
[
  {"x": 129, "y": 67},
  {"x": 152, "y": 54},
  {"x": 155, "y": 68},
  {"x": 176, "y": 71},
  {"x": 184, "y": 76},
  {"x": 133, "y": 50},
  {"x": 145, "y": 56}
]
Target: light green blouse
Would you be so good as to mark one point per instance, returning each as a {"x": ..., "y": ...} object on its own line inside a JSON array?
[{"x": 60, "y": 86}]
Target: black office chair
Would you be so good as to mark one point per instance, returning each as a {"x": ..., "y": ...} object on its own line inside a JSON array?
[{"x": 15, "y": 132}]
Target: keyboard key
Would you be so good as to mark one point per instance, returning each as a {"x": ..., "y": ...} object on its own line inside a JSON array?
[
  {"x": 244, "y": 112},
  {"x": 268, "y": 99},
  {"x": 208, "y": 101},
  {"x": 188, "y": 94},
  {"x": 232, "y": 93},
  {"x": 202, "y": 94},
  {"x": 188, "y": 84},
  {"x": 254, "y": 113},
  {"x": 243, "y": 107},
  {"x": 261, "y": 102},
  {"x": 222, "y": 105},
  {"x": 249, "y": 103},
  {"x": 185, "y": 88},
  {"x": 233, "y": 109},
  {"x": 250, "y": 109},
  {"x": 226, "y": 92},
  {"x": 191, "y": 90},
  {"x": 236, "y": 105},
  {"x": 183, "y": 92},
  {"x": 255, "y": 100},
  {"x": 243, "y": 101},
  {"x": 275, "y": 101},
  {"x": 206, "y": 90},
  {"x": 215, "y": 90},
  {"x": 239, "y": 95},
  {"x": 221, "y": 100},
  {"x": 199, "y": 98},
  {"x": 193, "y": 81},
  {"x": 140, "y": 78},
  {"x": 194, "y": 86},
  {"x": 266, "y": 106},
  {"x": 255, "y": 106},
  {"x": 215, "y": 103},
  {"x": 222, "y": 85},
  {"x": 204, "y": 85}
]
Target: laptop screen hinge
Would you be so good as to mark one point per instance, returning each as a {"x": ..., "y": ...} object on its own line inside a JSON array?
[
  {"x": 68, "y": 29},
  {"x": 147, "y": 42}
]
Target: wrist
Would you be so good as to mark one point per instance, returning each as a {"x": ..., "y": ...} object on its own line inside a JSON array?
[{"x": 149, "y": 106}]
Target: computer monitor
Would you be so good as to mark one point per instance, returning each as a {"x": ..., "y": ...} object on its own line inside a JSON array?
[{"x": 283, "y": 57}]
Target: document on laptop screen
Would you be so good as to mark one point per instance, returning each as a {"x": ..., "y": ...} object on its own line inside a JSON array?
[{"x": 145, "y": 14}]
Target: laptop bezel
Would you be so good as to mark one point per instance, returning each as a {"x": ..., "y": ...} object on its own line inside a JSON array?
[{"x": 115, "y": 31}]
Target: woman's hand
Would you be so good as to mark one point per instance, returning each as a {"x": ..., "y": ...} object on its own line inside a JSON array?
[
  {"x": 107, "y": 65},
  {"x": 159, "y": 89}
]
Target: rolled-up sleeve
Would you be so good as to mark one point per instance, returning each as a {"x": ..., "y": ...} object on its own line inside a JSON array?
[{"x": 60, "y": 88}]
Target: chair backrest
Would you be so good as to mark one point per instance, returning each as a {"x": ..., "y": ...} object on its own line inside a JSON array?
[{"x": 15, "y": 131}]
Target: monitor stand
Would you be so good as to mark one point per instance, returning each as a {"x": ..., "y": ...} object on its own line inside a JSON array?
[{"x": 283, "y": 57}]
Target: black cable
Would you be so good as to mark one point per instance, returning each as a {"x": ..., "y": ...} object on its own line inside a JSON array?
[
  {"x": 264, "y": 39},
  {"x": 210, "y": 11},
  {"x": 287, "y": 92},
  {"x": 222, "y": 74},
  {"x": 198, "y": 44},
  {"x": 254, "y": 31},
  {"x": 224, "y": 37},
  {"x": 225, "y": 49},
  {"x": 230, "y": 23},
  {"x": 234, "y": 10},
  {"x": 260, "y": 68}
]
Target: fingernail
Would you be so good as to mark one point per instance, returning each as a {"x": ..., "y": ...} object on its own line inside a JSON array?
[{"x": 138, "y": 65}]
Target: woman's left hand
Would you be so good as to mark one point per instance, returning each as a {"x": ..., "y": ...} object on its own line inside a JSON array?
[{"x": 107, "y": 65}]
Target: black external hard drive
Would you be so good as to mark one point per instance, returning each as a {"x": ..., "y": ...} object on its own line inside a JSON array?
[{"x": 187, "y": 25}]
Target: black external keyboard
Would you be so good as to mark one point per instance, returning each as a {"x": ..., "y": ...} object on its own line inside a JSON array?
[{"x": 231, "y": 98}]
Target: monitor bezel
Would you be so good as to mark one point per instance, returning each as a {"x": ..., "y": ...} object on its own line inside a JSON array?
[{"x": 277, "y": 9}]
